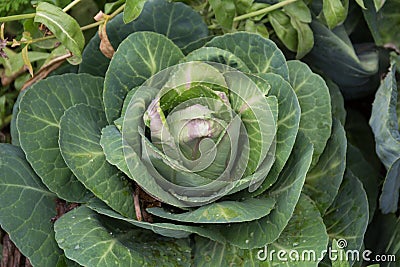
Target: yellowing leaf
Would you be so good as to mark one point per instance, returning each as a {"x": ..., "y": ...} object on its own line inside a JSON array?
[{"x": 26, "y": 60}]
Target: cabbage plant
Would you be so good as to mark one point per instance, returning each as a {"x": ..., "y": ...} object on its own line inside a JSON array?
[
  {"x": 190, "y": 151},
  {"x": 385, "y": 126}
]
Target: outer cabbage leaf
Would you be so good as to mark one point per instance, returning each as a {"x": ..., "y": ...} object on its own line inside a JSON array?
[
  {"x": 286, "y": 192},
  {"x": 252, "y": 49},
  {"x": 214, "y": 54},
  {"x": 163, "y": 228},
  {"x": 80, "y": 129},
  {"x": 175, "y": 20},
  {"x": 313, "y": 237},
  {"x": 222, "y": 212},
  {"x": 13, "y": 124},
  {"x": 313, "y": 95},
  {"x": 22, "y": 190},
  {"x": 324, "y": 179},
  {"x": 347, "y": 217},
  {"x": 337, "y": 102},
  {"x": 113, "y": 147},
  {"x": 38, "y": 124},
  {"x": 94, "y": 240}
]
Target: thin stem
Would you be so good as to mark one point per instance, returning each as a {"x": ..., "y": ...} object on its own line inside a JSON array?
[
  {"x": 264, "y": 10},
  {"x": 17, "y": 17},
  {"x": 71, "y": 5},
  {"x": 34, "y": 40},
  {"x": 2, "y": 31},
  {"x": 95, "y": 24},
  {"x": 92, "y": 25},
  {"x": 116, "y": 12}
]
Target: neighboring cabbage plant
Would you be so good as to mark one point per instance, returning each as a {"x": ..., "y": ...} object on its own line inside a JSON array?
[
  {"x": 209, "y": 157},
  {"x": 385, "y": 125}
]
